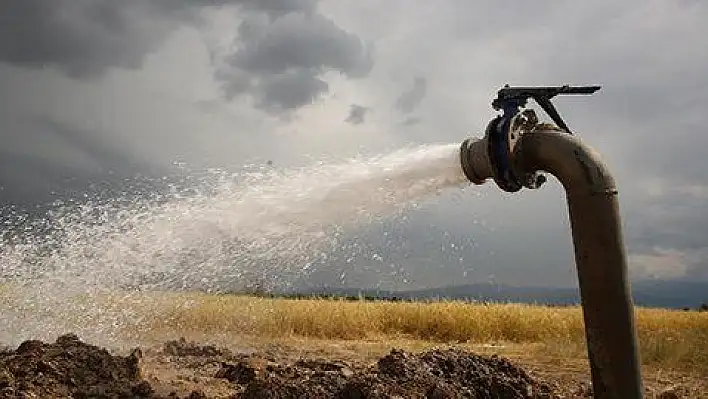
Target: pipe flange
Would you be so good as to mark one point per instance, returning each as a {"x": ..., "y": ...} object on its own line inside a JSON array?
[
  {"x": 503, "y": 134},
  {"x": 501, "y": 141}
]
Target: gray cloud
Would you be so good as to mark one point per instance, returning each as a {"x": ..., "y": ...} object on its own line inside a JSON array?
[
  {"x": 274, "y": 8},
  {"x": 667, "y": 229},
  {"x": 357, "y": 114},
  {"x": 36, "y": 179},
  {"x": 82, "y": 38},
  {"x": 293, "y": 89},
  {"x": 283, "y": 48},
  {"x": 652, "y": 102},
  {"x": 410, "y": 99},
  {"x": 279, "y": 7},
  {"x": 648, "y": 120},
  {"x": 280, "y": 62},
  {"x": 411, "y": 121}
]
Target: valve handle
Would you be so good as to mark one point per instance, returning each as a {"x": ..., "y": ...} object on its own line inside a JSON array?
[
  {"x": 500, "y": 135},
  {"x": 510, "y": 99}
]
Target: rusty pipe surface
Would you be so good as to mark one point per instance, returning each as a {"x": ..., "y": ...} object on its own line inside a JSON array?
[{"x": 599, "y": 250}]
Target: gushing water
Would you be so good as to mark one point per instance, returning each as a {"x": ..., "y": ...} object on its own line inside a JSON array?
[{"x": 219, "y": 234}]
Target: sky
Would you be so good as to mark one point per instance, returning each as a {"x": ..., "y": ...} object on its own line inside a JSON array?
[{"x": 97, "y": 90}]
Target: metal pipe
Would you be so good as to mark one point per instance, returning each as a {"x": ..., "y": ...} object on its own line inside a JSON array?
[
  {"x": 475, "y": 160},
  {"x": 599, "y": 249}
]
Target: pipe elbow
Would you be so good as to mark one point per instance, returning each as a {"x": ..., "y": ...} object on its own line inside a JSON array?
[
  {"x": 578, "y": 167},
  {"x": 597, "y": 237}
]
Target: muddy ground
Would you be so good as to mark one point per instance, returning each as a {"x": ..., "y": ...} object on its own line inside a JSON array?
[{"x": 182, "y": 369}]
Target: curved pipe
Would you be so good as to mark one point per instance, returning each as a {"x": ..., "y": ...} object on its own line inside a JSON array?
[{"x": 599, "y": 250}]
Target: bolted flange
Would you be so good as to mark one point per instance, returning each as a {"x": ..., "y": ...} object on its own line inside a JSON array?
[{"x": 503, "y": 134}]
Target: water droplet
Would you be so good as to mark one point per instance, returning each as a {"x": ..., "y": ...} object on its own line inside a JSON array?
[{"x": 207, "y": 230}]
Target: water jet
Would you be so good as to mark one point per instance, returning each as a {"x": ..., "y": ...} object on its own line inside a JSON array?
[
  {"x": 516, "y": 148},
  {"x": 271, "y": 224}
]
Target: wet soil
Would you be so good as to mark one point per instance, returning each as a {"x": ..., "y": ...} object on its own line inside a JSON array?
[
  {"x": 434, "y": 374},
  {"x": 72, "y": 368},
  {"x": 182, "y": 369},
  {"x": 69, "y": 368}
]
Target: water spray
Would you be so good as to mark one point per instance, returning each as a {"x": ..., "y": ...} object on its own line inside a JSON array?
[
  {"x": 272, "y": 224},
  {"x": 515, "y": 149},
  {"x": 264, "y": 227}
]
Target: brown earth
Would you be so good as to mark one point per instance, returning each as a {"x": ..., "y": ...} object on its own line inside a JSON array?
[
  {"x": 182, "y": 369},
  {"x": 69, "y": 368}
]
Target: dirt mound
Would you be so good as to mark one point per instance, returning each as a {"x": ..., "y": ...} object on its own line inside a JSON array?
[
  {"x": 69, "y": 368},
  {"x": 182, "y": 347},
  {"x": 440, "y": 374}
]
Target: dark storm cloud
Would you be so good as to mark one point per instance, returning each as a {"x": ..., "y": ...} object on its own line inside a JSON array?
[
  {"x": 280, "y": 62},
  {"x": 649, "y": 117},
  {"x": 287, "y": 91},
  {"x": 35, "y": 179},
  {"x": 284, "y": 47},
  {"x": 410, "y": 99},
  {"x": 82, "y": 38},
  {"x": 357, "y": 114}
]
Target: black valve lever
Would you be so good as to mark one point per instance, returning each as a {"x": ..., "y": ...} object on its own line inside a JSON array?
[{"x": 510, "y": 99}]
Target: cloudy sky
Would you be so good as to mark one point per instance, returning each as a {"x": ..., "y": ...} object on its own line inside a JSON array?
[{"x": 92, "y": 89}]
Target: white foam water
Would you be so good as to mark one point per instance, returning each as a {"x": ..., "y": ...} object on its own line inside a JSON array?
[{"x": 218, "y": 234}]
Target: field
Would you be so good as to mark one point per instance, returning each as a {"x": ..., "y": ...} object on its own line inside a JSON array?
[
  {"x": 548, "y": 342},
  {"x": 669, "y": 339}
]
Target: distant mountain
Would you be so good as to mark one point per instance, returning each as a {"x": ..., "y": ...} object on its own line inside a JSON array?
[
  {"x": 649, "y": 293},
  {"x": 670, "y": 293}
]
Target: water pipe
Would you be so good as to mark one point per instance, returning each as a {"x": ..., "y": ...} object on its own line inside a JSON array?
[{"x": 514, "y": 152}]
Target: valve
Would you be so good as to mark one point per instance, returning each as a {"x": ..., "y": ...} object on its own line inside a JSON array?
[{"x": 504, "y": 131}]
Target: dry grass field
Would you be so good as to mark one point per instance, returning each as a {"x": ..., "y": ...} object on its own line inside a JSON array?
[
  {"x": 548, "y": 342},
  {"x": 669, "y": 339}
]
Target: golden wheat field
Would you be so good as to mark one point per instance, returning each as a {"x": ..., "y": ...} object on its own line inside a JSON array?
[
  {"x": 547, "y": 341},
  {"x": 668, "y": 338}
]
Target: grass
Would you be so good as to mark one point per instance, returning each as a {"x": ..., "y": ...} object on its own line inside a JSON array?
[{"x": 668, "y": 339}]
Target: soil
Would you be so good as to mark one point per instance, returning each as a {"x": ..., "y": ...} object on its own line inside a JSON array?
[
  {"x": 434, "y": 374},
  {"x": 69, "y": 368},
  {"x": 182, "y": 369},
  {"x": 72, "y": 368}
]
